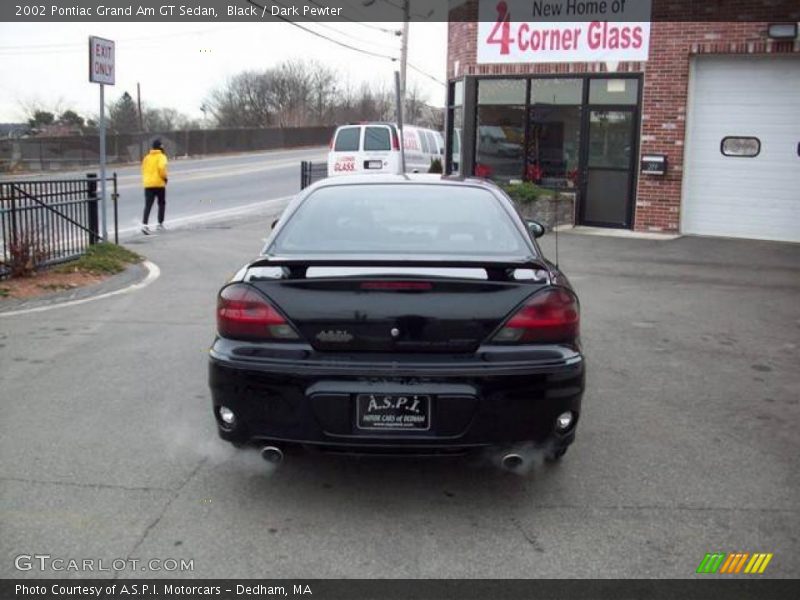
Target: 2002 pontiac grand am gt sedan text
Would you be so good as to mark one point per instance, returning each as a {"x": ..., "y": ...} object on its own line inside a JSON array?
[{"x": 399, "y": 315}]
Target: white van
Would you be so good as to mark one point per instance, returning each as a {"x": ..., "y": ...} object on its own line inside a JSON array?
[{"x": 375, "y": 148}]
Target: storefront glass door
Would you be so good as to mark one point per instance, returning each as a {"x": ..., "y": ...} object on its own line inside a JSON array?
[{"x": 609, "y": 167}]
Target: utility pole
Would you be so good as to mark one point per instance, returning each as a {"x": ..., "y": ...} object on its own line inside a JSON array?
[
  {"x": 404, "y": 48},
  {"x": 141, "y": 121},
  {"x": 403, "y": 41}
]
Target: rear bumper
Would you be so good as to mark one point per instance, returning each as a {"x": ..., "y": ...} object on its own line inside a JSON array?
[{"x": 293, "y": 395}]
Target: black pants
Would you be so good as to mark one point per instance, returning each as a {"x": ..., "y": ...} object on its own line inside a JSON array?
[{"x": 150, "y": 194}]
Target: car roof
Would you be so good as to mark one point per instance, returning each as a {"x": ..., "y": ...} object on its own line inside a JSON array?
[{"x": 384, "y": 178}]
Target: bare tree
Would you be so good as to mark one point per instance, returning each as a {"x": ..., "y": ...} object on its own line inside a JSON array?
[
  {"x": 304, "y": 92},
  {"x": 243, "y": 101},
  {"x": 414, "y": 105},
  {"x": 323, "y": 93},
  {"x": 167, "y": 119}
]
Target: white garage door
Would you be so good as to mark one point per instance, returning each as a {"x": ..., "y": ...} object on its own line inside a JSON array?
[{"x": 754, "y": 192}]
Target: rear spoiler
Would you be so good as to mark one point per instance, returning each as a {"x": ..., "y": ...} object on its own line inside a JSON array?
[{"x": 497, "y": 270}]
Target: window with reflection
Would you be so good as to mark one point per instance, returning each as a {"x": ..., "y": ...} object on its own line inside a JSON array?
[
  {"x": 557, "y": 91},
  {"x": 554, "y": 132},
  {"x": 458, "y": 93},
  {"x": 610, "y": 135},
  {"x": 500, "y": 139},
  {"x": 501, "y": 91},
  {"x": 743, "y": 147},
  {"x": 458, "y": 117},
  {"x": 614, "y": 91}
]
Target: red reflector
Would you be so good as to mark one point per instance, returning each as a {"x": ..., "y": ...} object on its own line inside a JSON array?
[
  {"x": 396, "y": 285},
  {"x": 243, "y": 313},
  {"x": 550, "y": 316}
]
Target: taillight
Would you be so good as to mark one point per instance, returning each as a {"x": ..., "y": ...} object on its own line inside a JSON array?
[
  {"x": 330, "y": 144},
  {"x": 551, "y": 316},
  {"x": 395, "y": 141},
  {"x": 244, "y": 314}
]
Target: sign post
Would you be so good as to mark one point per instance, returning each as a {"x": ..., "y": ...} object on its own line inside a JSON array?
[
  {"x": 102, "y": 70},
  {"x": 398, "y": 94}
]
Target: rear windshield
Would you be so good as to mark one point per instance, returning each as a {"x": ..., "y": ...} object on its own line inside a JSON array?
[
  {"x": 347, "y": 140},
  {"x": 377, "y": 138},
  {"x": 400, "y": 219}
]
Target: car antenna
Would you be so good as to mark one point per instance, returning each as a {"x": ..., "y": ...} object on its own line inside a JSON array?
[{"x": 556, "y": 198}]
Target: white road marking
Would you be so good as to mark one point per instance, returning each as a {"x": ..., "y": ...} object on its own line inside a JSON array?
[
  {"x": 177, "y": 177},
  {"x": 152, "y": 274},
  {"x": 215, "y": 215}
]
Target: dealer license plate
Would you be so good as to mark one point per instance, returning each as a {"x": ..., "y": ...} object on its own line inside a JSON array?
[{"x": 393, "y": 412}]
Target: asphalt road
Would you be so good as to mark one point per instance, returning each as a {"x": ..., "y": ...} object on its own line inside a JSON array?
[{"x": 688, "y": 443}]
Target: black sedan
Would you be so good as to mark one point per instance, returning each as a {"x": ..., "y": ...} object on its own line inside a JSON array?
[{"x": 399, "y": 315}]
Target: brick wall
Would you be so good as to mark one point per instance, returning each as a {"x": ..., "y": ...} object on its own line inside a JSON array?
[{"x": 664, "y": 98}]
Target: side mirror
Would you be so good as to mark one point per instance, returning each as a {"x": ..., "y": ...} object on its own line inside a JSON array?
[
  {"x": 274, "y": 223},
  {"x": 536, "y": 229}
]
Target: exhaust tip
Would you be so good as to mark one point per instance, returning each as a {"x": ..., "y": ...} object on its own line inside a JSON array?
[
  {"x": 512, "y": 461},
  {"x": 272, "y": 455}
]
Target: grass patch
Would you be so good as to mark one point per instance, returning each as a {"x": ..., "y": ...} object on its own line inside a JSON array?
[
  {"x": 5, "y": 292},
  {"x": 101, "y": 258},
  {"x": 56, "y": 287}
]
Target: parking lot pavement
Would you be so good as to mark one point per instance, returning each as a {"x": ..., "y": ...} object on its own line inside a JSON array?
[{"x": 688, "y": 440}]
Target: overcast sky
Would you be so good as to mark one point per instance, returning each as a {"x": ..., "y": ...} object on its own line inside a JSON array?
[{"x": 177, "y": 64}]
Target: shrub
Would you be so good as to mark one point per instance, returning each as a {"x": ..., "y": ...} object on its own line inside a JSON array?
[
  {"x": 436, "y": 166},
  {"x": 525, "y": 192},
  {"x": 25, "y": 255}
]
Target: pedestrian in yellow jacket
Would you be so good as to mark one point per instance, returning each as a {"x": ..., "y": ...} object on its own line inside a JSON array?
[{"x": 154, "y": 179}]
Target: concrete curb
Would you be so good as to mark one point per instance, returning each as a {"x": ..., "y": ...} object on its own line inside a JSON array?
[
  {"x": 134, "y": 278},
  {"x": 618, "y": 233}
]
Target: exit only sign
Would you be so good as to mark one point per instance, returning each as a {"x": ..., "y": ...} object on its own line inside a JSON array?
[{"x": 101, "y": 60}]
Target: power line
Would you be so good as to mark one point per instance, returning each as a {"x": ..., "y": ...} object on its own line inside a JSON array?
[
  {"x": 428, "y": 75},
  {"x": 399, "y": 7},
  {"x": 324, "y": 37},
  {"x": 135, "y": 39},
  {"x": 367, "y": 25},
  {"x": 347, "y": 35}
]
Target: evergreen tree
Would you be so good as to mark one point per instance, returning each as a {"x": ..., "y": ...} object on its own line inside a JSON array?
[{"x": 123, "y": 116}]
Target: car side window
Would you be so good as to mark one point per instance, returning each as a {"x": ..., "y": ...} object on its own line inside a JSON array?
[
  {"x": 424, "y": 142},
  {"x": 432, "y": 142}
]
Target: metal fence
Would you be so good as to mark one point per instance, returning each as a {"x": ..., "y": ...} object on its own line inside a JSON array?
[
  {"x": 48, "y": 222},
  {"x": 311, "y": 172}
]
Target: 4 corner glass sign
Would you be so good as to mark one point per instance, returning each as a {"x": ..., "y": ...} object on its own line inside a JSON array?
[{"x": 538, "y": 31}]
